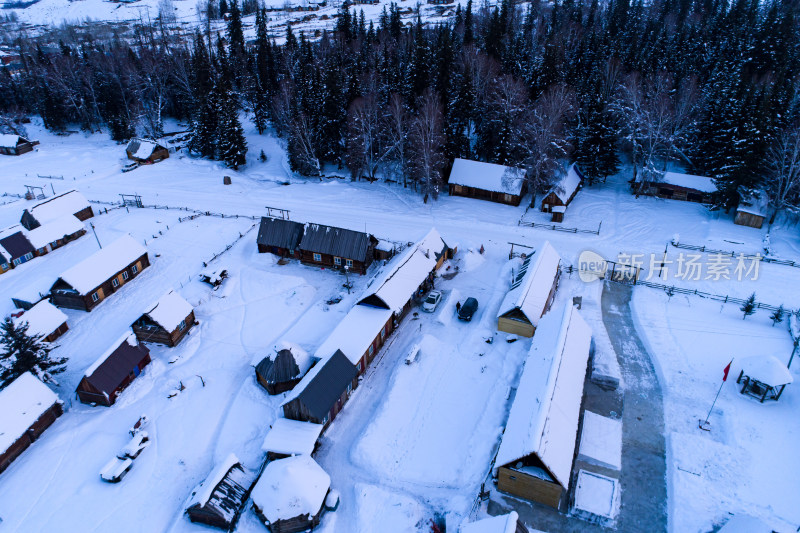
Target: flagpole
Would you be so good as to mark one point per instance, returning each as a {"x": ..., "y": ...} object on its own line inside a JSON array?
[{"x": 704, "y": 423}]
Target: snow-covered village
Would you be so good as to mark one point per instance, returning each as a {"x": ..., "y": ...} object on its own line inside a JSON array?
[{"x": 356, "y": 266}]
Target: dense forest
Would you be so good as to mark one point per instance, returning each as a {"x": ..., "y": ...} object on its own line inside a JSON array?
[{"x": 706, "y": 85}]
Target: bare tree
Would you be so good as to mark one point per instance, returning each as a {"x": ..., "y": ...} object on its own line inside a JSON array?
[
  {"x": 395, "y": 134},
  {"x": 783, "y": 179},
  {"x": 363, "y": 140},
  {"x": 426, "y": 145}
]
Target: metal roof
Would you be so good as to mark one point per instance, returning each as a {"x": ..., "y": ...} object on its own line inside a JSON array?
[
  {"x": 338, "y": 242},
  {"x": 17, "y": 245},
  {"x": 279, "y": 233},
  {"x": 116, "y": 367},
  {"x": 320, "y": 389}
]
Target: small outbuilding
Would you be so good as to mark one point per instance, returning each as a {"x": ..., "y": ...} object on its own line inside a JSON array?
[
  {"x": 11, "y": 144},
  {"x": 167, "y": 322},
  {"x": 45, "y": 320},
  {"x": 28, "y": 407},
  {"x": 146, "y": 151},
  {"x": 56, "y": 208},
  {"x": 562, "y": 193},
  {"x": 752, "y": 211},
  {"x": 290, "y": 495},
  {"x": 678, "y": 186},
  {"x": 113, "y": 371},
  {"x": 220, "y": 498},
  {"x": 764, "y": 377},
  {"x": 282, "y": 370},
  {"x": 487, "y": 181},
  {"x": 337, "y": 248},
  {"x": 290, "y": 437},
  {"x": 5, "y": 264},
  {"x": 505, "y": 523},
  {"x": 279, "y": 236}
]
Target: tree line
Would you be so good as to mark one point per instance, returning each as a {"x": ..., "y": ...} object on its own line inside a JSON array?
[{"x": 707, "y": 85}]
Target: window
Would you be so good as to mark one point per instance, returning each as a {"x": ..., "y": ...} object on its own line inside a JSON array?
[
  {"x": 182, "y": 325},
  {"x": 135, "y": 269},
  {"x": 17, "y": 261},
  {"x": 115, "y": 282},
  {"x": 349, "y": 387},
  {"x": 508, "y": 197},
  {"x": 337, "y": 261},
  {"x": 371, "y": 349},
  {"x": 360, "y": 366},
  {"x": 317, "y": 257},
  {"x": 383, "y": 335},
  {"x": 95, "y": 297},
  {"x": 125, "y": 275},
  {"x": 325, "y": 420},
  {"x": 28, "y": 256},
  {"x": 348, "y": 263}
]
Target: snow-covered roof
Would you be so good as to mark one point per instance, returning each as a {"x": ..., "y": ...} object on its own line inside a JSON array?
[
  {"x": 54, "y": 208},
  {"x": 43, "y": 319},
  {"x": 203, "y": 491},
  {"x": 505, "y": 523},
  {"x": 487, "y": 176},
  {"x": 104, "y": 263},
  {"x": 601, "y": 441},
  {"x": 169, "y": 311},
  {"x": 355, "y": 333},
  {"x": 597, "y": 495},
  {"x": 141, "y": 148},
  {"x": 568, "y": 184},
  {"x": 767, "y": 369},
  {"x": 324, "y": 384},
  {"x": 531, "y": 287},
  {"x": 689, "y": 181},
  {"x": 291, "y": 487},
  {"x": 544, "y": 417},
  {"x": 742, "y": 523},
  {"x": 393, "y": 287},
  {"x": 754, "y": 205},
  {"x": 128, "y": 337},
  {"x": 21, "y": 404},
  {"x": 54, "y": 230},
  {"x": 291, "y": 437},
  {"x": 8, "y": 140}
]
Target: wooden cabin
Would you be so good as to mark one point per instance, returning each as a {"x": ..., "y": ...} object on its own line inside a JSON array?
[
  {"x": 532, "y": 292},
  {"x": 337, "y": 248},
  {"x": 5, "y": 263},
  {"x": 677, "y": 186},
  {"x": 359, "y": 336},
  {"x": 562, "y": 193},
  {"x": 113, "y": 371},
  {"x": 220, "y": 498},
  {"x": 55, "y": 234},
  {"x": 167, "y": 322},
  {"x": 56, "y": 208},
  {"x": 11, "y": 144},
  {"x": 487, "y": 181},
  {"x": 752, "y": 211},
  {"x": 286, "y": 438},
  {"x": 146, "y": 151},
  {"x": 14, "y": 241},
  {"x": 44, "y": 320},
  {"x": 279, "y": 237},
  {"x": 506, "y": 523},
  {"x": 101, "y": 274},
  {"x": 764, "y": 377},
  {"x": 290, "y": 495},
  {"x": 322, "y": 393},
  {"x": 28, "y": 408},
  {"x": 537, "y": 449},
  {"x": 281, "y": 371}
]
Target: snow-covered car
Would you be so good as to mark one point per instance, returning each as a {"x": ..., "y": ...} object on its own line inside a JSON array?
[
  {"x": 127, "y": 166},
  {"x": 466, "y": 311},
  {"x": 139, "y": 442},
  {"x": 413, "y": 354},
  {"x": 430, "y": 303},
  {"x": 115, "y": 470}
]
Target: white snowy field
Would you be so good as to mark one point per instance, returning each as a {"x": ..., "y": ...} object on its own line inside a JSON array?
[{"x": 414, "y": 439}]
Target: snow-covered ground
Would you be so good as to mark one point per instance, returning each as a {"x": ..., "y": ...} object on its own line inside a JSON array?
[{"x": 415, "y": 439}]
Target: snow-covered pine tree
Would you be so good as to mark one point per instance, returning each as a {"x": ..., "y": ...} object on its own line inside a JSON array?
[
  {"x": 25, "y": 353},
  {"x": 749, "y": 306},
  {"x": 777, "y": 316}
]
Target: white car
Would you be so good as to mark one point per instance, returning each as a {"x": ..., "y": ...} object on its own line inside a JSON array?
[{"x": 430, "y": 303}]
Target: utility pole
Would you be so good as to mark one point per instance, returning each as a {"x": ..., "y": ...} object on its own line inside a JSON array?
[{"x": 95, "y": 236}]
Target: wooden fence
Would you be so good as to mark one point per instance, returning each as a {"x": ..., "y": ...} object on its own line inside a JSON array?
[
  {"x": 757, "y": 257},
  {"x": 555, "y": 227}
]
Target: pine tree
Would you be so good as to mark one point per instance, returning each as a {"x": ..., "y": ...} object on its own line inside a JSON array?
[
  {"x": 777, "y": 316},
  {"x": 25, "y": 353},
  {"x": 749, "y": 306},
  {"x": 237, "y": 55}
]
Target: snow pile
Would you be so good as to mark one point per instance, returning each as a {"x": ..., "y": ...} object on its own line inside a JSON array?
[
  {"x": 768, "y": 370},
  {"x": 43, "y": 319},
  {"x": 59, "y": 206},
  {"x": 596, "y": 497},
  {"x": 506, "y": 523},
  {"x": 601, "y": 441},
  {"x": 472, "y": 260},
  {"x": 100, "y": 266},
  {"x": 55, "y": 230},
  {"x": 689, "y": 181},
  {"x": 355, "y": 333},
  {"x": 21, "y": 404},
  {"x": 291, "y": 437},
  {"x": 531, "y": 287},
  {"x": 128, "y": 337},
  {"x": 567, "y": 185},
  {"x": 487, "y": 176},
  {"x": 170, "y": 310},
  {"x": 291, "y": 487}
]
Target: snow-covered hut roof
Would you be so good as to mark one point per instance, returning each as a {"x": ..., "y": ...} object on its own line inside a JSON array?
[
  {"x": 355, "y": 333},
  {"x": 324, "y": 384},
  {"x": 9, "y": 140},
  {"x": 289, "y": 363},
  {"x": 43, "y": 319},
  {"x": 142, "y": 148},
  {"x": 169, "y": 311},
  {"x": 742, "y": 523},
  {"x": 21, "y": 404},
  {"x": 338, "y": 242},
  {"x": 54, "y": 208},
  {"x": 224, "y": 491},
  {"x": 111, "y": 368},
  {"x": 505, "y": 523},
  {"x": 291, "y": 437},
  {"x": 14, "y": 240},
  {"x": 104, "y": 263},
  {"x": 544, "y": 417},
  {"x": 487, "y": 176},
  {"x": 531, "y": 286},
  {"x": 291, "y": 487},
  {"x": 393, "y": 287},
  {"x": 689, "y": 181},
  {"x": 754, "y": 205},
  {"x": 767, "y": 369},
  {"x": 54, "y": 230},
  {"x": 568, "y": 184}
]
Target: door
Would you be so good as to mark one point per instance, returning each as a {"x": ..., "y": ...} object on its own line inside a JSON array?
[{"x": 136, "y": 371}]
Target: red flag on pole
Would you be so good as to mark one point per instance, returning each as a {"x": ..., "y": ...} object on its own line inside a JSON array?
[{"x": 725, "y": 372}]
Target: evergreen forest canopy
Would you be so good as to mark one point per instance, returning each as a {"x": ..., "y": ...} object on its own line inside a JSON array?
[{"x": 707, "y": 85}]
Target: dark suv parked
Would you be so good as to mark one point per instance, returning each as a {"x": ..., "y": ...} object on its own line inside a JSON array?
[{"x": 468, "y": 309}]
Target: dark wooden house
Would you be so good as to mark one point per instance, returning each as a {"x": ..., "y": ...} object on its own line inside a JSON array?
[
  {"x": 27, "y": 407},
  {"x": 279, "y": 237},
  {"x": 101, "y": 274},
  {"x": 146, "y": 151},
  {"x": 113, "y": 371},
  {"x": 220, "y": 498},
  {"x": 15, "y": 243},
  {"x": 337, "y": 248},
  {"x": 55, "y": 234},
  {"x": 5, "y": 264},
  {"x": 56, "y": 208},
  {"x": 677, "y": 186},
  {"x": 322, "y": 393},
  {"x": 15, "y": 145},
  {"x": 751, "y": 212},
  {"x": 487, "y": 181},
  {"x": 281, "y": 371},
  {"x": 562, "y": 193},
  {"x": 45, "y": 320},
  {"x": 167, "y": 322}
]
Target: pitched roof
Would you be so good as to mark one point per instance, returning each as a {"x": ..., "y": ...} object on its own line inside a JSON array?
[
  {"x": 767, "y": 369},
  {"x": 568, "y": 184},
  {"x": 543, "y": 419},
  {"x": 104, "y": 263},
  {"x": 54, "y": 230},
  {"x": 338, "y": 242},
  {"x": 532, "y": 284},
  {"x": 116, "y": 363},
  {"x": 324, "y": 384},
  {"x": 689, "y": 181},
  {"x": 754, "y": 205},
  {"x": 279, "y": 368},
  {"x": 68, "y": 203},
  {"x": 279, "y": 233},
  {"x": 169, "y": 311},
  {"x": 487, "y": 176},
  {"x": 291, "y": 437},
  {"x": 506, "y": 523},
  {"x": 142, "y": 148},
  {"x": 355, "y": 333},
  {"x": 224, "y": 491},
  {"x": 15, "y": 242},
  {"x": 22, "y": 403},
  {"x": 42, "y": 319},
  {"x": 9, "y": 140},
  {"x": 291, "y": 487}
]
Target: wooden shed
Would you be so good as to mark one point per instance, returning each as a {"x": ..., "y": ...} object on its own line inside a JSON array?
[
  {"x": 14, "y": 241},
  {"x": 282, "y": 370},
  {"x": 752, "y": 211},
  {"x": 487, "y": 181},
  {"x": 101, "y": 274},
  {"x": 532, "y": 292},
  {"x": 146, "y": 151},
  {"x": 678, "y": 186},
  {"x": 337, "y": 248},
  {"x": 11, "y": 144},
  {"x": 562, "y": 193},
  {"x": 56, "y": 208},
  {"x": 167, "y": 322},
  {"x": 113, "y": 371},
  {"x": 220, "y": 498},
  {"x": 28, "y": 408},
  {"x": 537, "y": 448},
  {"x": 286, "y": 438},
  {"x": 279, "y": 237},
  {"x": 44, "y": 320}
]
